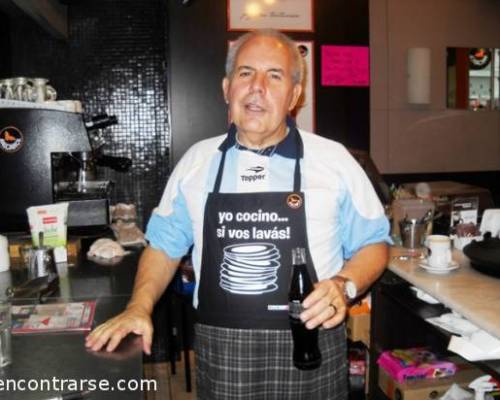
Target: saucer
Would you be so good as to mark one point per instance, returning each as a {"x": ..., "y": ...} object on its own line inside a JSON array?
[{"x": 433, "y": 270}]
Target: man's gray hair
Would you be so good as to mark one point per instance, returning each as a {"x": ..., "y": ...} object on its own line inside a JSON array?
[{"x": 297, "y": 61}]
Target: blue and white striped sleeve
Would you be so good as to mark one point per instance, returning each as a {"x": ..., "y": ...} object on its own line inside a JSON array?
[
  {"x": 170, "y": 227},
  {"x": 172, "y": 233},
  {"x": 363, "y": 221}
]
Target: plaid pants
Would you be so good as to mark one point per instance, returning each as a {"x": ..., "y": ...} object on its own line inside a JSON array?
[{"x": 257, "y": 365}]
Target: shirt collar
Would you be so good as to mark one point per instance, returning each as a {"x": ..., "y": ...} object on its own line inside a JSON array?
[{"x": 286, "y": 148}]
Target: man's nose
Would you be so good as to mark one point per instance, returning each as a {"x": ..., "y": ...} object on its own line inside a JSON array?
[{"x": 258, "y": 83}]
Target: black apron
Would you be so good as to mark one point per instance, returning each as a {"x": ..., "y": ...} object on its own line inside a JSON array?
[{"x": 247, "y": 253}]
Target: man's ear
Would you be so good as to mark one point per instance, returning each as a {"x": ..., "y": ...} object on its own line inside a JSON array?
[
  {"x": 297, "y": 91},
  {"x": 225, "y": 89}
]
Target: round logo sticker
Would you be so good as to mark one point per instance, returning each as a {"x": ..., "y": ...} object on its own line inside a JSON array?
[
  {"x": 294, "y": 200},
  {"x": 11, "y": 139}
]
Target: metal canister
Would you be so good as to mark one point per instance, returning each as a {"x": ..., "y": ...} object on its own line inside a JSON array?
[{"x": 413, "y": 232}]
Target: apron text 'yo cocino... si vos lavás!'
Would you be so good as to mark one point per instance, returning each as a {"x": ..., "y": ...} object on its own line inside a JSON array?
[{"x": 247, "y": 253}]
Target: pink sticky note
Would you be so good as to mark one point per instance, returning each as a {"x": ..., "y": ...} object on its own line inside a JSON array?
[{"x": 345, "y": 66}]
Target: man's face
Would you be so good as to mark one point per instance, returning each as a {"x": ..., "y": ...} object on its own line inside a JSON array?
[{"x": 260, "y": 92}]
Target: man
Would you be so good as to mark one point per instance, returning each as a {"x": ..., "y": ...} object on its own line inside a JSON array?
[{"x": 245, "y": 200}]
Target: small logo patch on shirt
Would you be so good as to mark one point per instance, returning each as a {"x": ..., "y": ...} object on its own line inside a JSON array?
[
  {"x": 256, "y": 169},
  {"x": 256, "y": 176},
  {"x": 253, "y": 172}
]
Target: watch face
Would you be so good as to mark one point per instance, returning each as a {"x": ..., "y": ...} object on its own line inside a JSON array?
[
  {"x": 479, "y": 58},
  {"x": 350, "y": 290}
]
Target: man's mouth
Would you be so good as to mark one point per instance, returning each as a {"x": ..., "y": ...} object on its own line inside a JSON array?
[{"x": 254, "y": 107}]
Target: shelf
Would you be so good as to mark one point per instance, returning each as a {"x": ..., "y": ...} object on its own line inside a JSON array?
[{"x": 398, "y": 321}]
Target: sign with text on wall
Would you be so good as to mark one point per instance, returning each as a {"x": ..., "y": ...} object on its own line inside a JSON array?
[
  {"x": 285, "y": 15},
  {"x": 345, "y": 66}
]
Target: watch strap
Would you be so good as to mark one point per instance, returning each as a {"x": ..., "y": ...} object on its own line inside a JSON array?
[{"x": 348, "y": 295}]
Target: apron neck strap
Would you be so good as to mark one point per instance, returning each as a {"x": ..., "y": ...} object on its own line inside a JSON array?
[
  {"x": 298, "y": 155},
  {"x": 220, "y": 170}
]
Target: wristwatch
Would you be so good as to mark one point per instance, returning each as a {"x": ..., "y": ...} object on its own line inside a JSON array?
[{"x": 350, "y": 289}]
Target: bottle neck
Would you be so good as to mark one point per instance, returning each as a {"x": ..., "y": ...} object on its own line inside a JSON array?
[{"x": 298, "y": 256}]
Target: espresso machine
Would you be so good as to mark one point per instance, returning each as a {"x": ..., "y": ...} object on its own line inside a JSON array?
[
  {"x": 48, "y": 155},
  {"x": 75, "y": 179}
]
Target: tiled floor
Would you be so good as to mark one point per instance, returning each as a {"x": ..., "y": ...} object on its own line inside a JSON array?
[
  {"x": 178, "y": 382},
  {"x": 170, "y": 387}
]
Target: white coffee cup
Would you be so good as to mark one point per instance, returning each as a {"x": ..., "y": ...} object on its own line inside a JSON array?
[
  {"x": 439, "y": 247},
  {"x": 4, "y": 254}
]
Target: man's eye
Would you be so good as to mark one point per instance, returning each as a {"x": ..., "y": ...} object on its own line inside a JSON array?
[
  {"x": 276, "y": 77},
  {"x": 244, "y": 73}
]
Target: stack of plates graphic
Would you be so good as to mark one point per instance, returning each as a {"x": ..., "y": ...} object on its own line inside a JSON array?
[{"x": 250, "y": 268}]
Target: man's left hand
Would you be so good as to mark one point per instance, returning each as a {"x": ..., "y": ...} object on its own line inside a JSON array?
[{"x": 325, "y": 306}]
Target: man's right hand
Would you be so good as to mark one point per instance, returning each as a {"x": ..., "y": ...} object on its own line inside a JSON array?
[
  {"x": 154, "y": 273},
  {"x": 109, "y": 334}
]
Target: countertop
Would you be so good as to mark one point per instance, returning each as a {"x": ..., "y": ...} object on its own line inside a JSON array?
[
  {"x": 63, "y": 355},
  {"x": 472, "y": 294},
  {"x": 84, "y": 278}
]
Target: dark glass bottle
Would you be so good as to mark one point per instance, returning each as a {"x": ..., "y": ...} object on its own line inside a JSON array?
[{"x": 306, "y": 354}]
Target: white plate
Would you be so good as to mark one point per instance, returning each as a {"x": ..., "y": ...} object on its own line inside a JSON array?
[
  {"x": 451, "y": 266},
  {"x": 252, "y": 291}
]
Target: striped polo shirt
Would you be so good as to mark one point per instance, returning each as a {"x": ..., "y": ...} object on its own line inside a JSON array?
[{"x": 343, "y": 212}]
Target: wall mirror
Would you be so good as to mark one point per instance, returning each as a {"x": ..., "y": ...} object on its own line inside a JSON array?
[{"x": 473, "y": 78}]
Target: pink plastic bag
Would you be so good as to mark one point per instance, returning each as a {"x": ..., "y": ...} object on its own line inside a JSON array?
[{"x": 405, "y": 365}]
